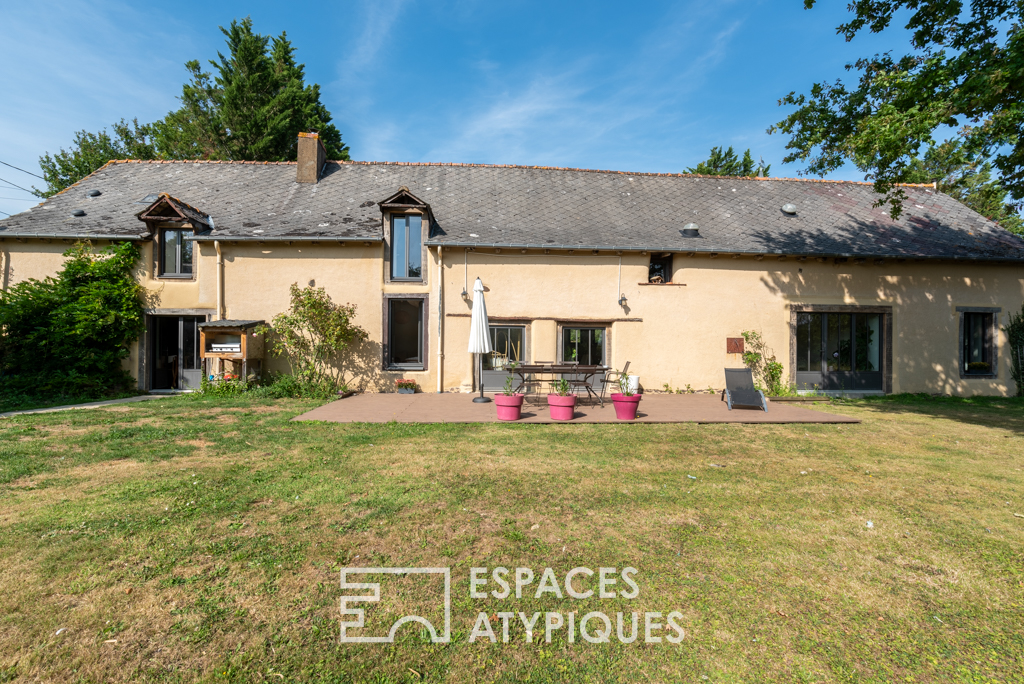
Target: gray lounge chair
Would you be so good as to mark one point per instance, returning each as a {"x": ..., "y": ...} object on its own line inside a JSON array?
[{"x": 739, "y": 389}]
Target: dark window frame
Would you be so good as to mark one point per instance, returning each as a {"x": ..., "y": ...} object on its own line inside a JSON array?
[
  {"x": 160, "y": 267},
  {"x": 424, "y": 332},
  {"x": 424, "y": 223},
  {"x": 606, "y": 344},
  {"x": 667, "y": 266},
  {"x": 885, "y": 355},
  {"x": 992, "y": 343}
]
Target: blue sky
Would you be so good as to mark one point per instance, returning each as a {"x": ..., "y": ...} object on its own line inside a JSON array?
[{"x": 645, "y": 86}]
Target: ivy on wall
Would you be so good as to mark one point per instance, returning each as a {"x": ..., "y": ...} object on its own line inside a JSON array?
[{"x": 68, "y": 335}]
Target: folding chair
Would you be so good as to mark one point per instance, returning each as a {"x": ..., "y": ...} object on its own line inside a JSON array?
[{"x": 739, "y": 389}]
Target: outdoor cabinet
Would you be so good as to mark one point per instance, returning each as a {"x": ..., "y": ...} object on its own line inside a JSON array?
[{"x": 233, "y": 342}]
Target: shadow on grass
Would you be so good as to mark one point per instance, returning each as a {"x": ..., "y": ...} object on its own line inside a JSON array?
[{"x": 998, "y": 412}]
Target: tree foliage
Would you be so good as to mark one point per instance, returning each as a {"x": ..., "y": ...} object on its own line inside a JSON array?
[
  {"x": 965, "y": 70},
  {"x": 251, "y": 108},
  {"x": 1015, "y": 335},
  {"x": 968, "y": 178},
  {"x": 726, "y": 163},
  {"x": 767, "y": 371},
  {"x": 313, "y": 336},
  {"x": 67, "y": 335}
]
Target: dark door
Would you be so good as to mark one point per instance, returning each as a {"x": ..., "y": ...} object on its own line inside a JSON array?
[
  {"x": 839, "y": 351},
  {"x": 176, "y": 359}
]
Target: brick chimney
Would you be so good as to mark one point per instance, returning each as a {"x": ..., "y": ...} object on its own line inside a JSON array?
[{"x": 312, "y": 156}]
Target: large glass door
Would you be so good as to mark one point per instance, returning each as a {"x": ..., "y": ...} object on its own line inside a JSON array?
[
  {"x": 177, "y": 363},
  {"x": 839, "y": 351}
]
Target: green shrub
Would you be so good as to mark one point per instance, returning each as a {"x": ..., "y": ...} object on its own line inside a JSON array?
[
  {"x": 275, "y": 386},
  {"x": 1015, "y": 332},
  {"x": 67, "y": 335},
  {"x": 766, "y": 369}
]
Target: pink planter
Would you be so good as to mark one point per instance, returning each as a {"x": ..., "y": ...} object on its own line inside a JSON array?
[
  {"x": 562, "y": 408},
  {"x": 625, "y": 407},
  {"x": 509, "y": 407}
]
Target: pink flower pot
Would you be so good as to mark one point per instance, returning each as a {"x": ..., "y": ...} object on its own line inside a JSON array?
[
  {"x": 625, "y": 407},
  {"x": 562, "y": 408},
  {"x": 509, "y": 407}
]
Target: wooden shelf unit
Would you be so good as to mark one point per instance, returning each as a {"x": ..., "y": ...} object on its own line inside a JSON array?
[{"x": 247, "y": 346}]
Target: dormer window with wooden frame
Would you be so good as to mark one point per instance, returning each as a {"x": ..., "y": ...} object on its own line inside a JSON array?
[
  {"x": 173, "y": 223},
  {"x": 406, "y": 234}
]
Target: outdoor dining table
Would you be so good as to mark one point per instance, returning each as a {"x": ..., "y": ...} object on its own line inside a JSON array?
[{"x": 581, "y": 375}]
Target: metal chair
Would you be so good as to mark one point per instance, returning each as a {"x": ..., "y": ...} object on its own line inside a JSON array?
[
  {"x": 739, "y": 389},
  {"x": 612, "y": 378}
]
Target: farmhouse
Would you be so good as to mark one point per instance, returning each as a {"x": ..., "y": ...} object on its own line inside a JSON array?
[{"x": 661, "y": 270}]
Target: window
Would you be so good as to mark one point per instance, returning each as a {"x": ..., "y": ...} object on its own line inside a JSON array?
[
  {"x": 176, "y": 253},
  {"x": 406, "y": 247},
  {"x": 977, "y": 356},
  {"x": 839, "y": 350},
  {"x": 405, "y": 333},
  {"x": 660, "y": 270},
  {"x": 584, "y": 346},
  {"x": 507, "y": 346}
]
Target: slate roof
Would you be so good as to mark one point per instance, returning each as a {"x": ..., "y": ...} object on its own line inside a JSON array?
[{"x": 528, "y": 207}]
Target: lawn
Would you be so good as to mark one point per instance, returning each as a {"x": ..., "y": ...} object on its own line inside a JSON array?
[{"x": 202, "y": 540}]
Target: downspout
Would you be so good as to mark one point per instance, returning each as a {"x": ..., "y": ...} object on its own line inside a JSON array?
[
  {"x": 440, "y": 321},
  {"x": 220, "y": 281}
]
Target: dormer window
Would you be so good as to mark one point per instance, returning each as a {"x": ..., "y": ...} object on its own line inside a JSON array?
[
  {"x": 176, "y": 253},
  {"x": 406, "y": 247}
]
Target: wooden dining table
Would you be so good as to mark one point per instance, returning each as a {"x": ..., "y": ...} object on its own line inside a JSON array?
[{"x": 581, "y": 376}]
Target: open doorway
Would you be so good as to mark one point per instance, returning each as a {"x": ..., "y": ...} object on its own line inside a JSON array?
[{"x": 176, "y": 363}]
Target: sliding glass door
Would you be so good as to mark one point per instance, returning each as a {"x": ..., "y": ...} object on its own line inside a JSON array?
[{"x": 839, "y": 351}]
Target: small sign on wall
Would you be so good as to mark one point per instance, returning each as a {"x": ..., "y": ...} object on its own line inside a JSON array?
[{"x": 734, "y": 345}]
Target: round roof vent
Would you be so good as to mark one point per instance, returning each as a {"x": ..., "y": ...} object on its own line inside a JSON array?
[
  {"x": 78, "y": 212},
  {"x": 691, "y": 230},
  {"x": 94, "y": 193},
  {"x": 789, "y": 208}
]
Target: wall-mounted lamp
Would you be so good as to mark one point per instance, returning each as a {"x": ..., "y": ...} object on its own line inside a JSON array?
[
  {"x": 622, "y": 300},
  {"x": 465, "y": 295}
]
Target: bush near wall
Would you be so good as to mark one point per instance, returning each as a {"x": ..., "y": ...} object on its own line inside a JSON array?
[
  {"x": 67, "y": 336},
  {"x": 1015, "y": 333}
]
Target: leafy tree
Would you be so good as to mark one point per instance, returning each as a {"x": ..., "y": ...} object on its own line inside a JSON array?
[
  {"x": 313, "y": 336},
  {"x": 68, "y": 335},
  {"x": 963, "y": 71},
  {"x": 968, "y": 178},
  {"x": 726, "y": 163},
  {"x": 90, "y": 151},
  {"x": 1015, "y": 333},
  {"x": 252, "y": 109}
]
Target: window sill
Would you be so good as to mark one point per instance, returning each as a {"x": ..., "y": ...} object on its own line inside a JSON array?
[
  {"x": 663, "y": 284},
  {"x": 979, "y": 376},
  {"x": 174, "y": 277},
  {"x": 406, "y": 369}
]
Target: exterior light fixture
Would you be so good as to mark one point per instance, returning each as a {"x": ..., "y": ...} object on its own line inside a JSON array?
[
  {"x": 789, "y": 208},
  {"x": 691, "y": 230},
  {"x": 622, "y": 300}
]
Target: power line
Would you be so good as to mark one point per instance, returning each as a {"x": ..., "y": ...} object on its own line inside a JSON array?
[
  {"x": 19, "y": 199},
  {"x": 4, "y": 213},
  {"x": 17, "y": 186},
  {"x": 22, "y": 170}
]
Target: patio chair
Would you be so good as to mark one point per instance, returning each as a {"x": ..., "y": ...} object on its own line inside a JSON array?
[
  {"x": 612, "y": 378},
  {"x": 739, "y": 389},
  {"x": 582, "y": 388}
]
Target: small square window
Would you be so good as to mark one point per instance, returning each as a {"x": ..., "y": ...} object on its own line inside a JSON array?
[{"x": 660, "y": 270}]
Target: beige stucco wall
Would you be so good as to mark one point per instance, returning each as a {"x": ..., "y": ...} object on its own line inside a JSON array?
[
  {"x": 682, "y": 337},
  {"x": 30, "y": 258},
  {"x": 672, "y": 334}
]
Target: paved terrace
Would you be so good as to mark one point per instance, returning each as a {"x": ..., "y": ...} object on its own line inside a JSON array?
[{"x": 459, "y": 408}]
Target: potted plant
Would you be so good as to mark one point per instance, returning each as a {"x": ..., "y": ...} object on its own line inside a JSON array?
[
  {"x": 508, "y": 403},
  {"x": 561, "y": 402},
  {"x": 626, "y": 401},
  {"x": 406, "y": 386}
]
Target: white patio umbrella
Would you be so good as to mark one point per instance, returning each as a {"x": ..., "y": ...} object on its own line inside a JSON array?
[{"x": 479, "y": 335}]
